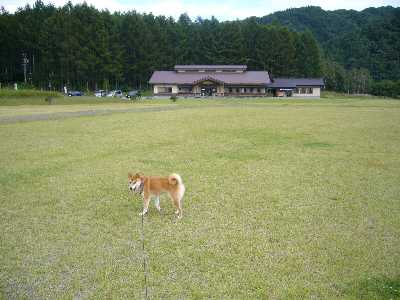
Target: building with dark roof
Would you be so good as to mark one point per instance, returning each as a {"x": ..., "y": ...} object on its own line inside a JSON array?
[
  {"x": 225, "y": 80},
  {"x": 297, "y": 87}
]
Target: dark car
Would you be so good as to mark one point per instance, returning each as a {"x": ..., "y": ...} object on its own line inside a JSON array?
[
  {"x": 74, "y": 93},
  {"x": 133, "y": 94}
]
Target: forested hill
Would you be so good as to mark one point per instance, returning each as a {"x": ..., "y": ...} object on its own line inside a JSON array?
[{"x": 367, "y": 39}]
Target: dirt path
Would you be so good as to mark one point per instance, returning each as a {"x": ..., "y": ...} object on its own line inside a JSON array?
[
  {"x": 91, "y": 112},
  {"x": 94, "y": 112}
]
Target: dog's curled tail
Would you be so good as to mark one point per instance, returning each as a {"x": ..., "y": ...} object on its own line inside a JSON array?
[{"x": 175, "y": 179}]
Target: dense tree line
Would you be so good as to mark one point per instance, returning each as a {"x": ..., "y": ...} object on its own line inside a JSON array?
[{"x": 82, "y": 47}]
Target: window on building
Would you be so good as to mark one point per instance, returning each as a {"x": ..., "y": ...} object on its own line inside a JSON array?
[
  {"x": 237, "y": 90},
  {"x": 258, "y": 90},
  {"x": 165, "y": 89},
  {"x": 303, "y": 91},
  {"x": 230, "y": 90},
  {"x": 309, "y": 90},
  {"x": 185, "y": 89}
]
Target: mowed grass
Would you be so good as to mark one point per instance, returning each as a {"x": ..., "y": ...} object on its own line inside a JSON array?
[{"x": 285, "y": 199}]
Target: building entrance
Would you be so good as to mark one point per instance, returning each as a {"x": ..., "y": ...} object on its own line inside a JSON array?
[{"x": 208, "y": 90}]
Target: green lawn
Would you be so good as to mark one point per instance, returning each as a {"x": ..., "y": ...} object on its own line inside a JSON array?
[{"x": 285, "y": 199}]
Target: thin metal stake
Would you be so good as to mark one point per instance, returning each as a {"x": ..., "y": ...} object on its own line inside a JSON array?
[{"x": 144, "y": 260}]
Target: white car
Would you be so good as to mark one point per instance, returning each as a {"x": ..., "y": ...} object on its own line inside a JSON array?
[
  {"x": 116, "y": 93},
  {"x": 100, "y": 93}
]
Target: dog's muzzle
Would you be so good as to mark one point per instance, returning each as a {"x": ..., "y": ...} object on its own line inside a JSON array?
[{"x": 137, "y": 187}]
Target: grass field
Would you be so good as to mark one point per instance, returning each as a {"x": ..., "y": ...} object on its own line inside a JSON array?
[{"x": 285, "y": 200}]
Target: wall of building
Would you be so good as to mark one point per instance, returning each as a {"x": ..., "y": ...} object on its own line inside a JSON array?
[
  {"x": 158, "y": 88},
  {"x": 316, "y": 92},
  {"x": 196, "y": 89}
]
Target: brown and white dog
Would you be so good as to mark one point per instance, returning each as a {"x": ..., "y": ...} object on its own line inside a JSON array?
[{"x": 149, "y": 186}]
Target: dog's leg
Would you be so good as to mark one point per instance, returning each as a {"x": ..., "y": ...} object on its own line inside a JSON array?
[
  {"x": 175, "y": 198},
  {"x": 178, "y": 204},
  {"x": 146, "y": 202},
  {"x": 157, "y": 203}
]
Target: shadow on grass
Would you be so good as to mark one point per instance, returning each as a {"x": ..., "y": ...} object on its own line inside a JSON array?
[
  {"x": 318, "y": 145},
  {"x": 375, "y": 288}
]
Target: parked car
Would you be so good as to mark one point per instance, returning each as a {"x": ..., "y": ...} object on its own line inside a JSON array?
[
  {"x": 100, "y": 93},
  {"x": 134, "y": 94},
  {"x": 75, "y": 93},
  {"x": 115, "y": 93}
]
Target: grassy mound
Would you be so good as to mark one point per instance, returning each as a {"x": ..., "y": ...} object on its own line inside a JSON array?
[{"x": 10, "y": 93}]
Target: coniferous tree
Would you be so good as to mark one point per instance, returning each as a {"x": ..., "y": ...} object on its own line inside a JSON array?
[
  {"x": 335, "y": 76},
  {"x": 250, "y": 31},
  {"x": 308, "y": 59},
  {"x": 209, "y": 41},
  {"x": 231, "y": 46}
]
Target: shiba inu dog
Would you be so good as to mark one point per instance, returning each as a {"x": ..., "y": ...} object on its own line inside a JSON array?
[{"x": 149, "y": 186}]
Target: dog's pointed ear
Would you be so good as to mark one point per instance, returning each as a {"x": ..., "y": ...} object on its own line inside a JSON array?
[{"x": 130, "y": 175}]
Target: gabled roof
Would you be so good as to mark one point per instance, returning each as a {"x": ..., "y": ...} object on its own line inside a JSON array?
[
  {"x": 208, "y": 78},
  {"x": 210, "y": 67},
  {"x": 296, "y": 82},
  {"x": 247, "y": 77}
]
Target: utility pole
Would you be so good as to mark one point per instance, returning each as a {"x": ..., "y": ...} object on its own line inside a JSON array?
[
  {"x": 25, "y": 62},
  {"x": 33, "y": 68}
]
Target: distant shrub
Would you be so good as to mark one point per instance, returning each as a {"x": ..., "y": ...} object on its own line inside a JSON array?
[
  {"x": 49, "y": 100},
  {"x": 387, "y": 88},
  {"x": 146, "y": 93},
  {"x": 10, "y": 93},
  {"x": 173, "y": 98}
]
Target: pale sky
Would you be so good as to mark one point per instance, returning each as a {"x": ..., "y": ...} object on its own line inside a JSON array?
[{"x": 221, "y": 9}]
